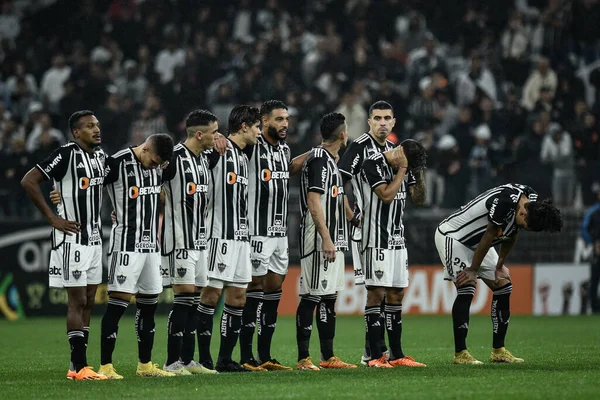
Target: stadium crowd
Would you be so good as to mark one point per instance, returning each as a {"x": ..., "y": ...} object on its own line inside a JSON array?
[{"x": 495, "y": 93}]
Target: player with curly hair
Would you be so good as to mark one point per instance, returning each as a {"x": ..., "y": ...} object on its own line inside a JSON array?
[{"x": 465, "y": 243}]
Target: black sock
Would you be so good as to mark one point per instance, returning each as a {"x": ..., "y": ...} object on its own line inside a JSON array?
[
  {"x": 304, "y": 318},
  {"x": 145, "y": 326},
  {"x": 176, "y": 325},
  {"x": 501, "y": 314},
  {"x": 86, "y": 336},
  {"x": 382, "y": 345},
  {"x": 267, "y": 321},
  {"x": 373, "y": 331},
  {"x": 109, "y": 328},
  {"x": 460, "y": 316},
  {"x": 231, "y": 322},
  {"x": 188, "y": 345},
  {"x": 393, "y": 325},
  {"x": 249, "y": 317},
  {"x": 77, "y": 343},
  {"x": 204, "y": 331},
  {"x": 326, "y": 325}
]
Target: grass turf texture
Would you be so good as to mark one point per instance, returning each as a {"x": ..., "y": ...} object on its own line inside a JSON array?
[{"x": 562, "y": 360}]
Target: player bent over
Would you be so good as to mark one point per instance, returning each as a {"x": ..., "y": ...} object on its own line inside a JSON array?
[
  {"x": 385, "y": 182},
  {"x": 323, "y": 239},
  {"x": 464, "y": 242}
]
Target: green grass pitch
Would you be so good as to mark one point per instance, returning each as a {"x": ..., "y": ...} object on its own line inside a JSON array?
[{"x": 562, "y": 360}]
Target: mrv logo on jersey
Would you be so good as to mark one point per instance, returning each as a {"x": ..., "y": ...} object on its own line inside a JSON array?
[{"x": 53, "y": 164}]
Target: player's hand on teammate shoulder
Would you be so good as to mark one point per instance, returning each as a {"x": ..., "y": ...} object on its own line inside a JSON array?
[
  {"x": 328, "y": 250},
  {"x": 221, "y": 144},
  {"x": 397, "y": 158},
  {"x": 466, "y": 276}
]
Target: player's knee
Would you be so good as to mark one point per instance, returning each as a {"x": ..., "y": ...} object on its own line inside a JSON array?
[
  {"x": 273, "y": 282},
  {"x": 394, "y": 295},
  {"x": 177, "y": 288},
  {"x": 77, "y": 298},
  {"x": 257, "y": 283},
  {"x": 375, "y": 296},
  {"x": 210, "y": 296}
]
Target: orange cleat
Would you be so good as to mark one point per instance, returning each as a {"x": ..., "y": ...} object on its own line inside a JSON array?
[
  {"x": 306, "y": 364},
  {"x": 380, "y": 363},
  {"x": 406, "y": 361},
  {"x": 71, "y": 374},
  {"x": 335, "y": 363},
  {"x": 88, "y": 374}
]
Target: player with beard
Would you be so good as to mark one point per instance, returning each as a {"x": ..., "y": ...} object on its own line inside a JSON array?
[
  {"x": 77, "y": 170},
  {"x": 269, "y": 171}
]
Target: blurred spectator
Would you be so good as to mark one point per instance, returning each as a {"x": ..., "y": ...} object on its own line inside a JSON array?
[
  {"x": 52, "y": 89},
  {"x": 514, "y": 46},
  {"x": 455, "y": 172},
  {"x": 356, "y": 116},
  {"x": 543, "y": 76},
  {"x": 169, "y": 58},
  {"x": 557, "y": 151},
  {"x": 150, "y": 120},
  {"x": 587, "y": 156},
  {"x": 43, "y": 137},
  {"x": 424, "y": 109},
  {"x": 423, "y": 60},
  {"x": 479, "y": 162},
  {"x": 476, "y": 78}
]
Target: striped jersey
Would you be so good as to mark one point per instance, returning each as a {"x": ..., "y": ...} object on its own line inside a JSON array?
[
  {"x": 79, "y": 177},
  {"x": 227, "y": 216},
  {"x": 351, "y": 163},
  {"x": 135, "y": 195},
  {"x": 320, "y": 174},
  {"x": 185, "y": 184},
  {"x": 268, "y": 190},
  {"x": 382, "y": 225},
  {"x": 498, "y": 206}
]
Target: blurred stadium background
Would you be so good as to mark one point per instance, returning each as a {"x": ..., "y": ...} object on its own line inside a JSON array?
[{"x": 497, "y": 91}]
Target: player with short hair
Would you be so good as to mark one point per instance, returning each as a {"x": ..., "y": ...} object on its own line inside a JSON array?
[
  {"x": 184, "y": 238},
  {"x": 77, "y": 170},
  {"x": 323, "y": 239},
  {"x": 229, "y": 268},
  {"x": 465, "y": 243},
  {"x": 386, "y": 180},
  {"x": 134, "y": 180},
  {"x": 268, "y": 196}
]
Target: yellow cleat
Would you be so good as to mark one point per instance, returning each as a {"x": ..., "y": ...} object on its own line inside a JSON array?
[
  {"x": 197, "y": 368},
  {"x": 464, "y": 357},
  {"x": 151, "y": 369},
  {"x": 274, "y": 365},
  {"x": 88, "y": 374},
  {"x": 253, "y": 365},
  {"x": 306, "y": 364},
  {"x": 502, "y": 355},
  {"x": 109, "y": 371},
  {"x": 335, "y": 363}
]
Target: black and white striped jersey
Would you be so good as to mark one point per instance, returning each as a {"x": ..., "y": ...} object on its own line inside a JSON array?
[
  {"x": 351, "y": 162},
  {"x": 382, "y": 225},
  {"x": 320, "y": 174},
  {"x": 227, "y": 216},
  {"x": 79, "y": 177},
  {"x": 498, "y": 205},
  {"x": 135, "y": 195},
  {"x": 268, "y": 190},
  {"x": 185, "y": 184}
]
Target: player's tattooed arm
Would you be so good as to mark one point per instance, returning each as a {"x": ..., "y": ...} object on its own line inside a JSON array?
[
  {"x": 418, "y": 191},
  {"x": 505, "y": 249},
  {"x": 314, "y": 206},
  {"x": 296, "y": 164}
]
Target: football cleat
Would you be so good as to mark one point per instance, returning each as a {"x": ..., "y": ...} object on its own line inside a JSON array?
[
  {"x": 406, "y": 361},
  {"x": 197, "y": 368},
  {"x": 253, "y": 365},
  {"x": 306, "y": 364},
  {"x": 71, "y": 374},
  {"x": 177, "y": 368},
  {"x": 274, "y": 365},
  {"x": 502, "y": 355},
  {"x": 464, "y": 357},
  {"x": 88, "y": 374},
  {"x": 230, "y": 366},
  {"x": 379, "y": 363},
  {"x": 151, "y": 369},
  {"x": 365, "y": 358},
  {"x": 335, "y": 363},
  {"x": 109, "y": 371}
]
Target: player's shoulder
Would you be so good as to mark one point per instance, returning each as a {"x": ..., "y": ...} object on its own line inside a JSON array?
[
  {"x": 377, "y": 157},
  {"x": 123, "y": 155},
  {"x": 363, "y": 140}
]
